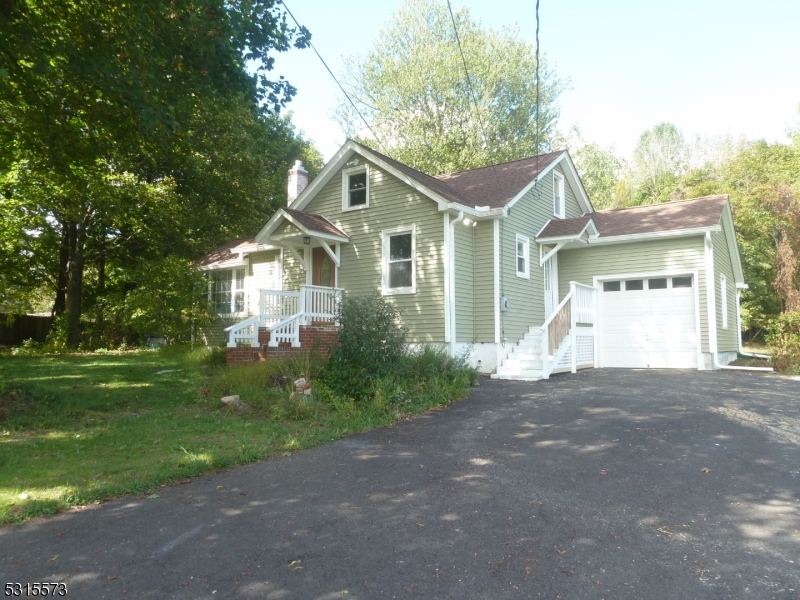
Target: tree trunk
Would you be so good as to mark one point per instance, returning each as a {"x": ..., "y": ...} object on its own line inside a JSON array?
[
  {"x": 63, "y": 262},
  {"x": 75, "y": 283}
]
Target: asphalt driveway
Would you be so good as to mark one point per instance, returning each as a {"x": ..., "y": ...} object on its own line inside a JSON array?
[{"x": 604, "y": 484}]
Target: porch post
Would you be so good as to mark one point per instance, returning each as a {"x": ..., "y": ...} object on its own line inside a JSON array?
[{"x": 573, "y": 324}]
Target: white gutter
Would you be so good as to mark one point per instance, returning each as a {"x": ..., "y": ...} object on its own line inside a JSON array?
[
  {"x": 452, "y": 279},
  {"x": 712, "y": 313}
]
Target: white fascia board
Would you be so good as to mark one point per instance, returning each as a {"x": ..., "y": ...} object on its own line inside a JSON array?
[
  {"x": 733, "y": 243},
  {"x": 228, "y": 265},
  {"x": 639, "y": 237},
  {"x": 272, "y": 224},
  {"x": 479, "y": 214},
  {"x": 341, "y": 158},
  {"x": 575, "y": 180},
  {"x": 528, "y": 187}
]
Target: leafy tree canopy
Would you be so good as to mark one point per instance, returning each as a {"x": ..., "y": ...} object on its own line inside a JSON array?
[{"x": 413, "y": 90}]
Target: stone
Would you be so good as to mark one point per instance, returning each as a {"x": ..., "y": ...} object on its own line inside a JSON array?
[
  {"x": 234, "y": 402},
  {"x": 300, "y": 385}
]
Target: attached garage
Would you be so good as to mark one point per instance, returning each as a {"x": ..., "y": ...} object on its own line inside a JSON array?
[{"x": 649, "y": 322}]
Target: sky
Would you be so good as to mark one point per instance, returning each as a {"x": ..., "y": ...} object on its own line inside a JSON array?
[{"x": 714, "y": 68}]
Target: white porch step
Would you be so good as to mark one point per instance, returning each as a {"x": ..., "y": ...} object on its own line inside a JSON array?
[
  {"x": 522, "y": 363},
  {"x": 518, "y": 374}
]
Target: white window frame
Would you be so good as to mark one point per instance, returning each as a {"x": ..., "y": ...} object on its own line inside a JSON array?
[
  {"x": 558, "y": 185},
  {"x": 346, "y": 173},
  {"x": 723, "y": 287},
  {"x": 386, "y": 234},
  {"x": 526, "y": 273},
  {"x": 237, "y": 287}
]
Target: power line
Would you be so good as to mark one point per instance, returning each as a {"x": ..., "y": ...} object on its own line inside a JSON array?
[
  {"x": 346, "y": 95},
  {"x": 472, "y": 92}
]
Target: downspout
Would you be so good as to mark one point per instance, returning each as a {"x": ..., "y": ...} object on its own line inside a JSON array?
[
  {"x": 452, "y": 283},
  {"x": 711, "y": 290}
]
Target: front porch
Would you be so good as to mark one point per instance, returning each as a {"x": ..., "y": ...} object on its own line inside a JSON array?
[{"x": 286, "y": 321}]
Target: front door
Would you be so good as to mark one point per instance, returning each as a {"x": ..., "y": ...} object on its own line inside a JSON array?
[
  {"x": 550, "y": 285},
  {"x": 323, "y": 269}
]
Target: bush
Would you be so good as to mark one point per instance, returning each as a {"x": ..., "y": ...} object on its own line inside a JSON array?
[
  {"x": 372, "y": 345},
  {"x": 784, "y": 341}
]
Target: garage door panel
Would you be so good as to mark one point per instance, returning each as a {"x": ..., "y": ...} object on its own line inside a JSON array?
[{"x": 653, "y": 328}]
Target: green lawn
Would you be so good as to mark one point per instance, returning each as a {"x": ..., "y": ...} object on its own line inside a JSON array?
[{"x": 78, "y": 429}]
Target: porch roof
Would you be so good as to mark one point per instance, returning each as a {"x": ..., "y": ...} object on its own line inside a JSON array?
[
  {"x": 302, "y": 224},
  {"x": 228, "y": 255}
]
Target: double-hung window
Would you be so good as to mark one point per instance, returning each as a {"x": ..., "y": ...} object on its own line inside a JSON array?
[
  {"x": 523, "y": 256},
  {"x": 226, "y": 291},
  {"x": 399, "y": 260},
  {"x": 355, "y": 188},
  {"x": 558, "y": 195}
]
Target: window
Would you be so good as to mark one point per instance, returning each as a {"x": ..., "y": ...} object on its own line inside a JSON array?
[
  {"x": 682, "y": 282},
  {"x": 558, "y": 195},
  {"x": 399, "y": 261},
  {"x": 224, "y": 286},
  {"x": 355, "y": 188},
  {"x": 633, "y": 285},
  {"x": 611, "y": 286},
  {"x": 723, "y": 290},
  {"x": 523, "y": 254},
  {"x": 657, "y": 284}
]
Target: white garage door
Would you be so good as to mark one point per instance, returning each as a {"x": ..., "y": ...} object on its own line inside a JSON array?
[{"x": 648, "y": 323}]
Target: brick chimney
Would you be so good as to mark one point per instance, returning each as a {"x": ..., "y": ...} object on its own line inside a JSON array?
[{"x": 298, "y": 181}]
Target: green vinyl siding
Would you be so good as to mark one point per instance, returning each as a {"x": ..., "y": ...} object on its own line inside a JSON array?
[
  {"x": 294, "y": 275},
  {"x": 213, "y": 334},
  {"x": 527, "y": 217},
  {"x": 671, "y": 254},
  {"x": 727, "y": 339},
  {"x": 262, "y": 273},
  {"x": 484, "y": 301},
  {"x": 287, "y": 228},
  {"x": 465, "y": 282},
  {"x": 392, "y": 204}
]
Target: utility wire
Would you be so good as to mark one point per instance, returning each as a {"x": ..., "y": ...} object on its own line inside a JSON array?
[
  {"x": 346, "y": 95},
  {"x": 472, "y": 92}
]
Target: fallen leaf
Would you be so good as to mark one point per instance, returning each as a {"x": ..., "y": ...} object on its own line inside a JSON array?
[
  {"x": 603, "y": 472},
  {"x": 153, "y": 496},
  {"x": 52, "y": 559},
  {"x": 568, "y": 572},
  {"x": 561, "y": 551},
  {"x": 706, "y": 470},
  {"x": 664, "y": 530},
  {"x": 419, "y": 524},
  {"x": 110, "y": 577},
  {"x": 295, "y": 564},
  {"x": 287, "y": 453}
]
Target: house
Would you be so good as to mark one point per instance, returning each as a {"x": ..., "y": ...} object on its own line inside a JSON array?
[{"x": 511, "y": 261}]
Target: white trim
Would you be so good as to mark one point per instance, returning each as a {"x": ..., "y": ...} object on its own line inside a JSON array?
[
  {"x": 723, "y": 296},
  {"x": 385, "y": 235},
  {"x": 730, "y": 237},
  {"x": 497, "y": 282},
  {"x": 346, "y": 173},
  {"x": 562, "y": 207},
  {"x": 597, "y": 279},
  {"x": 638, "y": 237},
  {"x": 550, "y": 253},
  {"x": 224, "y": 266},
  {"x": 451, "y": 280},
  {"x": 582, "y": 197},
  {"x": 308, "y": 254},
  {"x": 446, "y": 254},
  {"x": 526, "y": 274},
  {"x": 711, "y": 301},
  {"x": 272, "y": 225},
  {"x": 569, "y": 238},
  {"x": 296, "y": 255},
  {"x": 330, "y": 252}
]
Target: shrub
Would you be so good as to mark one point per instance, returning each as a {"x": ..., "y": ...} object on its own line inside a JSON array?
[
  {"x": 784, "y": 340},
  {"x": 372, "y": 345}
]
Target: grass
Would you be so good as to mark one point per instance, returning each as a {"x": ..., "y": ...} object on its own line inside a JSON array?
[{"x": 78, "y": 429}]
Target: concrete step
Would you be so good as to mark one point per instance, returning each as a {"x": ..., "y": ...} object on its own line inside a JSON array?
[
  {"x": 521, "y": 363},
  {"x": 518, "y": 374}
]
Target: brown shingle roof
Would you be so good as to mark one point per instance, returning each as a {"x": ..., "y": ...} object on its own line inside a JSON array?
[
  {"x": 479, "y": 187},
  {"x": 314, "y": 222},
  {"x": 655, "y": 218},
  {"x": 227, "y": 253}
]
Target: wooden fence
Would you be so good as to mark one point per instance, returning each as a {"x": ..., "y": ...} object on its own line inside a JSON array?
[{"x": 15, "y": 329}]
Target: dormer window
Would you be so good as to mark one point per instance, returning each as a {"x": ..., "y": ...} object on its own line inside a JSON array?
[
  {"x": 355, "y": 188},
  {"x": 558, "y": 195}
]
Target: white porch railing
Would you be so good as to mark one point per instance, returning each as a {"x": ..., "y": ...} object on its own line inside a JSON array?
[
  {"x": 564, "y": 343},
  {"x": 284, "y": 312}
]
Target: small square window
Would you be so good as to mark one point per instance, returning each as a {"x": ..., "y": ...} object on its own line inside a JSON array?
[
  {"x": 682, "y": 282},
  {"x": 355, "y": 188},
  {"x": 611, "y": 286},
  {"x": 657, "y": 284},
  {"x": 634, "y": 285}
]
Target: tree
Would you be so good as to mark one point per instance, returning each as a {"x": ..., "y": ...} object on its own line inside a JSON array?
[
  {"x": 600, "y": 170},
  {"x": 413, "y": 90},
  {"x": 659, "y": 160},
  {"x": 108, "y": 110}
]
